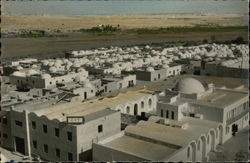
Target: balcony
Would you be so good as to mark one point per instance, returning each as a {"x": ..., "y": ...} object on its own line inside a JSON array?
[{"x": 237, "y": 117}]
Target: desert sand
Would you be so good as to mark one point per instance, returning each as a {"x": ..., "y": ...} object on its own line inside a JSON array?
[
  {"x": 12, "y": 23},
  {"x": 54, "y": 46}
]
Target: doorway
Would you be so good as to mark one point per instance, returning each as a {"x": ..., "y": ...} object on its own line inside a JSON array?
[
  {"x": 85, "y": 95},
  {"x": 20, "y": 146},
  {"x": 136, "y": 109}
]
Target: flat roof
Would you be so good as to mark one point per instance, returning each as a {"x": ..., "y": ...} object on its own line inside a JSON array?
[
  {"x": 222, "y": 98},
  {"x": 153, "y": 141},
  {"x": 140, "y": 148},
  {"x": 79, "y": 108}
]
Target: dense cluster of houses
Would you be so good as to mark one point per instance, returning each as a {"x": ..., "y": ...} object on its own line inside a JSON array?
[{"x": 72, "y": 108}]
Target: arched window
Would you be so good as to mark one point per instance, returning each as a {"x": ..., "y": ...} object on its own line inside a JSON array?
[
  {"x": 188, "y": 152},
  {"x": 142, "y": 104},
  {"x": 199, "y": 144},
  {"x": 128, "y": 110},
  {"x": 150, "y": 102}
]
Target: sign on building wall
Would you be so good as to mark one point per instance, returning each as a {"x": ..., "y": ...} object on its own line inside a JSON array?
[{"x": 75, "y": 119}]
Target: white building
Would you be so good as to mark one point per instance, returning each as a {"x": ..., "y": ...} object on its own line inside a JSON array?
[
  {"x": 191, "y": 98},
  {"x": 159, "y": 139}
]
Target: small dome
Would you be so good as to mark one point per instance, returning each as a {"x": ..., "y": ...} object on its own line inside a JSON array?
[
  {"x": 150, "y": 69},
  {"x": 32, "y": 72},
  {"x": 45, "y": 76},
  {"x": 190, "y": 86},
  {"x": 19, "y": 68},
  {"x": 18, "y": 73}
]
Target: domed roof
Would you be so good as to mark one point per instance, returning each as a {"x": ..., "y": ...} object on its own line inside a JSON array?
[
  {"x": 150, "y": 69},
  {"x": 18, "y": 73},
  {"x": 32, "y": 72},
  {"x": 45, "y": 76},
  {"x": 190, "y": 86}
]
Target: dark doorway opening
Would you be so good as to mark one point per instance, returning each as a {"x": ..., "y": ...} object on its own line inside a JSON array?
[
  {"x": 20, "y": 146},
  {"x": 136, "y": 109},
  {"x": 85, "y": 95},
  {"x": 234, "y": 129}
]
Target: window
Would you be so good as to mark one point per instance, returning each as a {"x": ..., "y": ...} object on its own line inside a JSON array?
[
  {"x": 127, "y": 110},
  {"x": 172, "y": 116},
  {"x": 5, "y": 135},
  {"x": 188, "y": 152},
  {"x": 69, "y": 134},
  {"x": 57, "y": 132},
  {"x": 45, "y": 148},
  {"x": 199, "y": 144},
  {"x": 4, "y": 120},
  {"x": 33, "y": 82},
  {"x": 208, "y": 139},
  {"x": 33, "y": 125},
  {"x": 150, "y": 102},
  {"x": 58, "y": 152},
  {"x": 0, "y": 120},
  {"x": 92, "y": 91},
  {"x": 35, "y": 144},
  {"x": 18, "y": 123},
  {"x": 50, "y": 82},
  {"x": 161, "y": 113},
  {"x": 45, "y": 129},
  {"x": 100, "y": 128},
  {"x": 167, "y": 114},
  {"x": 70, "y": 156},
  {"x": 142, "y": 104}
]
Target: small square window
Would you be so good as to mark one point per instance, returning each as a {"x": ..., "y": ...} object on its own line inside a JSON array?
[
  {"x": 35, "y": 144},
  {"x": 69, "y": 134},
  {"x": 45, "y": 129},
  {"x": 33, "y": 125},
  {"x": 100, "y": 128},
  {"x": 45, "y": 148},
  {"x": 58, "y": 152},
  {"x": 18, "y": 123}
]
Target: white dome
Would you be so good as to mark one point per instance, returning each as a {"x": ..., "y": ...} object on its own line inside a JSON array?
[
  {"x": 19, "y": 67},
  {"x": 18, "y": 73},
  {"x": 45, "y": 76},
  {"x": 53, "y": 69},
  {"x": 165, "y": 66},
  {"x": 190, "y": 86},
  {"x": 32, "y": 72},
  {"x": 150, "y": 69}
]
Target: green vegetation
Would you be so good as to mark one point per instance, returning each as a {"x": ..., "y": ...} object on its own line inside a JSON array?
[
  {"x": 103, "y": 29},
  {"x": 33, "y": 33},
  {"x": 190, "y": 29}
]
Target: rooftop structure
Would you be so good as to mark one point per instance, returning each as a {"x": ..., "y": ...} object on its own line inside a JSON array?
[{"x": 159, "y": 139}]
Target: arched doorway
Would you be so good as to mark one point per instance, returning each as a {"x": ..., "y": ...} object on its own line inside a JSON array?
[
  {"x": 212, "y": 133},
  {"x": 193, "y": 147},
  {"x": 220, "y": 134},
  {"x": 203, "y": 147},
  {"x": 136, "y": 109}
]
